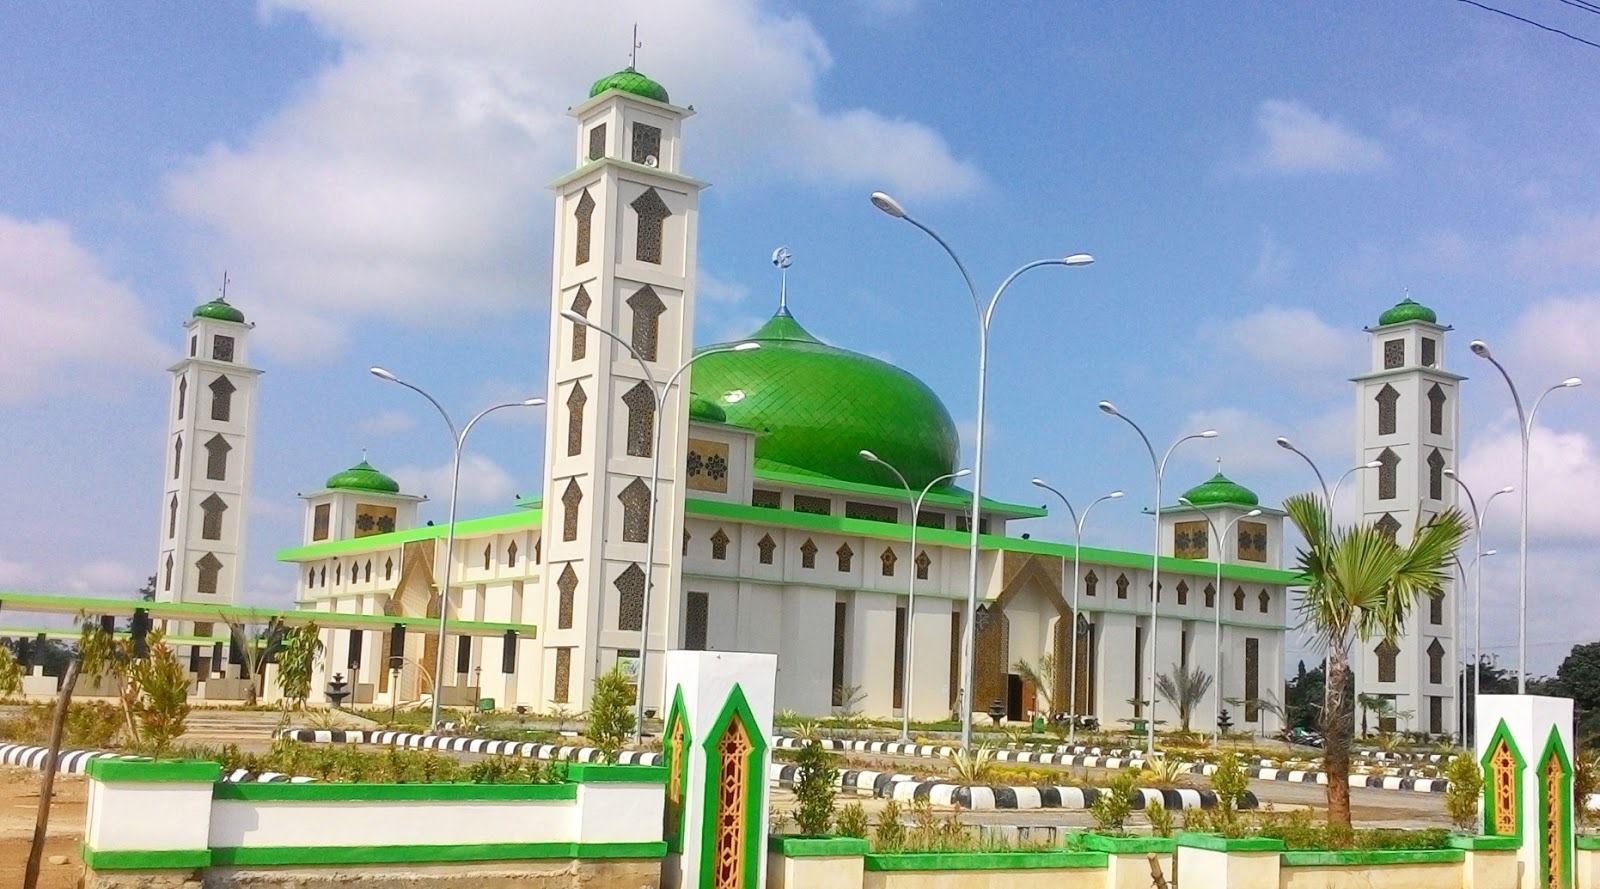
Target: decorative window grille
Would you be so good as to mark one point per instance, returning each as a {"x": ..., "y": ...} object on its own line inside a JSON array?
[
  {"x": 567, "y": 587},
  {"x": 844, "y": 553},
  {"x": 808, "y": 554},
  {"x": 652, "y": 212},
  {"x": 719, "y": 545},
  {"x": 647, "y": 308},
  {"x": 630, "y": 598},
  {"x": 585, "y": 216},
  {"x": 641, "y": 404},
  {"x": 635, "y": 511},
  {"x": 765, "y": 547},
  {"x": 222, "y": 390}
]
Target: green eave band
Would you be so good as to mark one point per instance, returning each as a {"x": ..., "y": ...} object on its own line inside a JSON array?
[{"x": 143, "y": 771}]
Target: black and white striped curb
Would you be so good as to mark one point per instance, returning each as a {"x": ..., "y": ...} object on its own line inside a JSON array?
[
  {"x": 76, "y": 762},
  {"x": 907, "y": 788},
  {"x": 1052, "y": 754},
  {"x": 486, "y": 746},
  {"x": 1134, "y": 760}
]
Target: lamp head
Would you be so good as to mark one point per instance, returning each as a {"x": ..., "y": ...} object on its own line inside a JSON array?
[
  {"x": 1450, "y": 473},
  {"x": 1490, "y": 552},
  {"x": 962, "y": 473},
  {"x": 1285, "y": 443},
  {"x": 1109, "y": 408},
  {"x": 1038, "y": 483},
  {"x": 1114, "y": 495},
  {"x": 747, "y": 347},
  {"x": 533, "y": 402},
  {"x": 574, "y": 317},
  {"x": 382, "y": 374},
  {"x": 1185, "y": 501},
  {"x": 1079, "y": 259},
  {"x": 869, "y": 456},
  {"x": 1252, "y": 513},
  {"x": 1209, "y": 433},
  {"x": 1372, "y": 464},
  {"x": 1479, "y": 348},
  {"x": 1507, "y": 490},
  {"x": 888, "y": 205},
  {"x": 1571, "y": 383}
]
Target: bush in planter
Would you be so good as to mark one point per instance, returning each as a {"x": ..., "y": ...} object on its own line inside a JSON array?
[
  {"x": 1160, "y": 819},
  {"x": 1114, "y": 804},
  {"x": 813, "y": 789},
  {"x": 1230, "y": 783},
  {"x": 890, "y": 834},
  {"x": 851, "y": 822},
  {"x": 611, "y": 713},
  {"x": 1461, "y": 797}
]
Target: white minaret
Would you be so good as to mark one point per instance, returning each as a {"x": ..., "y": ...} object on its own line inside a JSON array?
[
  {"x": 206, "y": 467},
  {"x": 1406, "y": 420},
  {"x": 624, "y": 258}
]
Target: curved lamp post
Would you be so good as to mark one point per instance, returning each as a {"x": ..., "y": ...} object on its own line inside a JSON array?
[
  {"x": 1160, "y": 467},
  {"x": 1077, "y": 563},
  {"x": 1222, "y": 538},
  {"x": 659, "y": 394},
  {"x": 1479, "y": 516},
  {"x": 458, "y": 441},
  {"x": 1525, "y": 429},
  {"x": 892, "y": 208},
  {"x": 906, "y": 685}
]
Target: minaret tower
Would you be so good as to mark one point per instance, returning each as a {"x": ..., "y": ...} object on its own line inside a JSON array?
[
  {"x": 206, "y": 469},
  {"x": 1407, "y": 412},
  {"x": 625, "y": 259}
]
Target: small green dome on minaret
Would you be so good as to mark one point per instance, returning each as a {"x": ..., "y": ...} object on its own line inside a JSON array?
[
  {"x": 1219, "y": 490},
  {"x": 362, "y": 477},
  {"x": 630, "y": 81},
  {"x": 219, "y": 309},
  {"x": 1405, "y": 310}
]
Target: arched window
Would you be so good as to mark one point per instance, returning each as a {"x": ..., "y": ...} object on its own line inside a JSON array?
[
  {"x": 647, "y": 309},
  {"x": 183, "y": 394},
  {"x": 311, "y": 578},
  {"x": 172, "y": 517},
  {"x": 511, "y": 554},
  {"x": 765, "y": 547},
  {"x": 888, "y": 559},
  {"x": 1388, "y": 474},
  {"x": 210, "y": 570},
  {"x": 923, "y": 562},
  {"x": 1436, "y": 399},
  {"x": 686, "y": 541},
  {"x": 488, "y": 555},
  {"x": 719, "y": 545},
  {"x": 177, "y": 456},
  {"x": 1265, "y": 600},
  {"x": 167, "y": 583},
  {"x": 635, "y": 511},
  {"x": 1388, "y": 653},
  {"x": 217, "y": 449},
  {"x": 1435, "y": 475},
  {"x": 653, "y": 213},
  {"x": 580, "y": 334},
  {"x": 388, "y": 569},
  {"x": 585, "y": 216},
  {"x": 1211, "y": 596},
  {"x": 1436, "y": 608},
  {"x": 338, "y": 573},
  {"x": 1238, "y": 598},
  {"x": 844, "y": 553},
  {"x": 322, "y": 576},
  {"x": 211, "y": 510},
  {"x": 1183, "y": 592},
  {"x": 641, "y": 404},
  {"x": 222, "y": 390},
  {"x": 366, "y": 572},
  {"x": 1435, "y": 662},
  {"x": 571, "y": 499},
  {"x": 808, "y": 554},
  {"x": 1389, "y": 526},
  {"x": 1091, "y": 583},
  {"x": 1388, "y": 398},
  {"x": 1122, "y": 586},
  {"x": 567, "y": 586},
  {"x": 575, "y": 402},
  {"x": 630, "y": 598}
]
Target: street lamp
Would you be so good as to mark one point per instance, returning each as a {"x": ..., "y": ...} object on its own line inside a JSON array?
[
  {"x": 1077, "y": 562},
  {"x": 1329, "y": 497},
  {"x": 1525, "y": 428},
  {"x": 906, "y": 685},
  {"x": 458, "y": 441},
  {"x": 892, "y": 208},
  {"x": 1222, "y": 538},
  {"x": 1160, "y": 467},
  {"x": 1479, "y": 516},
  {"x": 658, "y": 394}
]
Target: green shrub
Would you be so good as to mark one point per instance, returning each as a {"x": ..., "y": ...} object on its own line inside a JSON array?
[
  {"x": 1230, "y": 782},
  {"x": 163, "y": 696},
  {"x": 611, "y": 713},
  {"x": 852, "y": 821},
  {"x": 1114, "y": 803},
  {"x": 1160, "y": 819},
  {"x": 1466, "y": 787},
  {"x": 813, "y": 789},
  {"x": 10, "y": 674},
  {"x": 890, "y": 834}
]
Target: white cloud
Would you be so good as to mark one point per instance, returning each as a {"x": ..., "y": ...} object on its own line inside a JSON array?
[
  {"x": 720, "y": 291},
  {"x": 1564, "y": 242},
  {"x": 97, "y": 578},
  {"x": 1564, "y": 478},
  {"x": 1273, "y": 264},
  {"x": 1296, "y": 139},
  {"x": 407, "y": 179},
  {"x": 388, "y": 422},
  {"x": 1291, "y": 345},
  {"x": 1555, "y": 339},
  {"x": 68, "y": 325},
  {"x": 483, "y": 481}
]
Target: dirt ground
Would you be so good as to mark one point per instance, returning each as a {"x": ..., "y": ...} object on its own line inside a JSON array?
[{"x": 19, "y": 804}]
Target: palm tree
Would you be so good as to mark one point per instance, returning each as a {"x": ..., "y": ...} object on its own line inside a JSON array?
[
  {"x": 1183, "y": 689},
  {"x": 1361, "y": 585}
]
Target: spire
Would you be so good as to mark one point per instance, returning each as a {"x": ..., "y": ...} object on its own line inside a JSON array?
[
  {"x": 782, "y": 258},
  {"x": 633, "y": 51}
]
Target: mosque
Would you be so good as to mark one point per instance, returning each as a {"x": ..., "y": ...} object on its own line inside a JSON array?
[{"x": 771, "y": 533}]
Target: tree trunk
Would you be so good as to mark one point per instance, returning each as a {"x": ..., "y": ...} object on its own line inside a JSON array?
[
  {"x": 47, "y": 784},
  {"x": 1336, "y": 740}
]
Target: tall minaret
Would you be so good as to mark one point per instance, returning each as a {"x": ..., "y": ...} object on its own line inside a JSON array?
[
  {"x": 625, "y": 259},
  {"x": 206, "y": 468},
  {"x": 1406, "y": 421}
]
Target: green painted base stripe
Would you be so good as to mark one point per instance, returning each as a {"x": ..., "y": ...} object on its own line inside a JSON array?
[
  {"x": 455, "y": 793},
  {"x": 817, "y": 847},
  {"x": 318, "y": 856},
  {"x": 149, "y": 771},
  {"x": 929, "y": 861},
  {"x": 595, "y": 773},
  {"x": 1371, "y": 857},
  {"x": 137, "y": 859},
  {"x": 1129, "y": 845},
  {"x": 1214, "y": 843},
  {"x": 1485, "y": 844}
]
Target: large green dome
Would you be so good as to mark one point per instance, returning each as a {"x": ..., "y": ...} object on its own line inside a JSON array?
[
  {"x": 630, "y": 81},
  {"x": 1405, "y": 310},
  {"x": 219, "y": 310},
  {"x": 1220, "y": 490},
  {"x": 362, "y": 477},
  {"x": 814, "y": 407}
]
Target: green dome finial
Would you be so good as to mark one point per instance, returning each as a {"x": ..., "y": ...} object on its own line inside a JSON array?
[
  {"x": 362, "y": 477},
  {"x": 219, "y": 309},
  {"x": 630, "y": 81},
  {"x": 1219, "y": 490},
  {"x": 1405, "y": 310}
]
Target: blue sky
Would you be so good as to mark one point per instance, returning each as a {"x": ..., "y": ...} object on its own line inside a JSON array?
[{"x": 1256, "y": 181}]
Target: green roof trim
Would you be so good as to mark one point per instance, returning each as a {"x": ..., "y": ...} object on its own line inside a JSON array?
[
  {"x": 1212, "y": 842},
  {"x": 1405, "y": 310},
  {"x": 147, "y": 771},
  {"x": 287, "y": 856},
  {"x": 630, "y": 81},
  {"x": 362, "y": 477},
  {"x": 600, "y": 773},
  {"x": 355, "y": 793},
  {"x": 946, "y": 495},
  {"x": 942, "y": 861},
  {"x": 526, "y": 516},
  {"x": 1489, "y": 844},
  {"x": 1131, "y": 845},
  {"x": 219, "y": 309}
]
